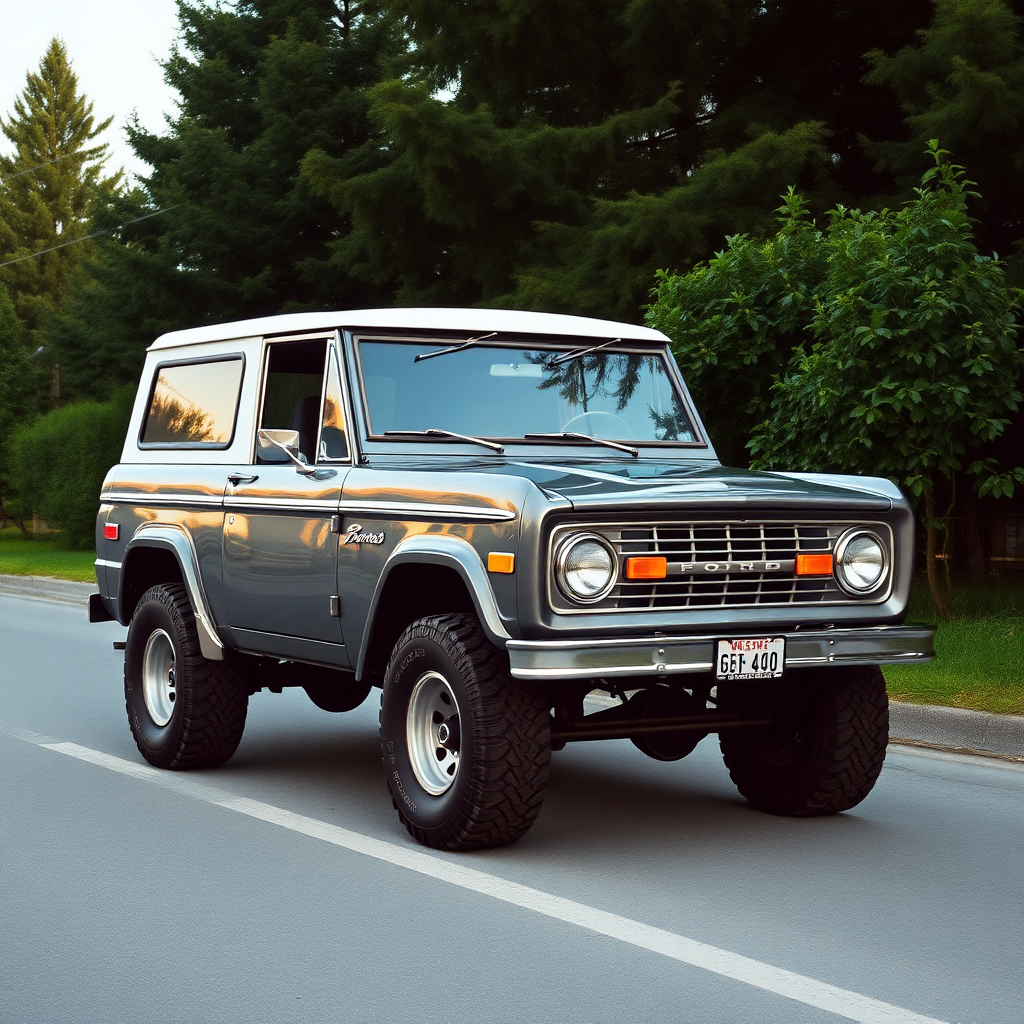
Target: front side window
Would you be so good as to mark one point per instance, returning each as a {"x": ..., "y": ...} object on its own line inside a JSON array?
[
  {"x": 194, "y": 404},
  {"x": 504, "y": 392},
  {"x": 303, "y": 392}
]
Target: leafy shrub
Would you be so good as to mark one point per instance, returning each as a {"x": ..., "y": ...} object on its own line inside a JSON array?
[
  {"x": 59, "y": 462},
  {"x": 881, "y": 343}
]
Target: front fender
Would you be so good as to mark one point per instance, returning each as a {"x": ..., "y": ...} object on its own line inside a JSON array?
[
  {"x": 179, "y": 543},
  {"x": 453, "y": 553}
]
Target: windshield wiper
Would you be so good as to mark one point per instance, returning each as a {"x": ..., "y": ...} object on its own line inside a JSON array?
[
  {"x": 438, "y": 432},
  {"x": 576, "y": 353},
  {"x": 568, "y": 435},
  {"x": 454, "y": 348}
]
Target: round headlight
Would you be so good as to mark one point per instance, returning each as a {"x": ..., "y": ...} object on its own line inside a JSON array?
[
  {"x": 586, "y": 568},
  {"x": 861, "y": 562}
]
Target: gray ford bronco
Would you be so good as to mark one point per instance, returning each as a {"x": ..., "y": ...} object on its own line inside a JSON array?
[{"x": 514, "y": 525}]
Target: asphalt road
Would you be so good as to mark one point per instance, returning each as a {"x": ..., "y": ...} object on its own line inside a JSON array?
[{"x": 282, "y": 888}]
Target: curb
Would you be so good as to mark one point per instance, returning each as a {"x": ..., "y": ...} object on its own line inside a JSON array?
[
  {"x": 47, "y": 588},
  {"x": 969, "y": 732},
  {"x": 950, "y": 729}
]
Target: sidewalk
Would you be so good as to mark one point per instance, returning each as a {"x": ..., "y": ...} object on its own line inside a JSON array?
[{"x": 969, "y": 732}]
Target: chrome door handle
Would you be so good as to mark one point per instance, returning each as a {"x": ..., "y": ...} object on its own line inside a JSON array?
[{"x": 241, "y": 478}]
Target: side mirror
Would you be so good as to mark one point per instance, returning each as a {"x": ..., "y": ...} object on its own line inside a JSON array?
[{"x": 286, "y": 442}]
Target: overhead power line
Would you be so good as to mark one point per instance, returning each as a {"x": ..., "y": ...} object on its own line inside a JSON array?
[
  {"x": 29, "y": 170},
  {"x": 85, "y": 238}
]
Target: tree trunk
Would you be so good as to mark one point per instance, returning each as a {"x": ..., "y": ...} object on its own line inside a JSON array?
[
  {"x": 938, "y": 592},
  {"x": 6, "y": 517}
]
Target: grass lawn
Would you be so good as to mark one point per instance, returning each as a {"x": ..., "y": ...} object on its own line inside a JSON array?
[
  {"x": 980, "y": 663},
  {"x": 980, "y": 652},
  {"x": 20, "y": 557}
]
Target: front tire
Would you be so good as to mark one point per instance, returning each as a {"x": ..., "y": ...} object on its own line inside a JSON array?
[
  {"x": 183, "y": 711},
  {"x": 466, "y": 749},
  {"x": 825, "y": 750}
]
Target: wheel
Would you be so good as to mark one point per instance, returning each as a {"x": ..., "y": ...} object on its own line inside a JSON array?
[
  {"x": 600, "y": 412},
  {"x": 466, "y": 749},
  {"x": 184, "y": 711},
  {"x": 825, "y": 750}
]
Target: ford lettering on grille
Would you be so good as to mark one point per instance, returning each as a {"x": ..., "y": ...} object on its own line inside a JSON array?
[{"x": 678, "y": 568}]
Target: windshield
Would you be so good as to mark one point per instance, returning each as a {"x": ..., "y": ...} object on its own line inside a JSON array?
[{"x": 499, "y": 391}]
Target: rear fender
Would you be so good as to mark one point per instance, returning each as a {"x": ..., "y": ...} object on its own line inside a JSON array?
[{"x": 177, "y": 541}]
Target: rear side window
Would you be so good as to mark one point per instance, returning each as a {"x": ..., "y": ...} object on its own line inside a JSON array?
[{"x": 194, "y": 405}]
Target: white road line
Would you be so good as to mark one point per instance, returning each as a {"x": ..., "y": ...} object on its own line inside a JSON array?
[{"x": 831, "y": 998}]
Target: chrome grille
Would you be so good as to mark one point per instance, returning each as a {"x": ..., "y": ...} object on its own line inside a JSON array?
[{"x": 740, "y": 550}]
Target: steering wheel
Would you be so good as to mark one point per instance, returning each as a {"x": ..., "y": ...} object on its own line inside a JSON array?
[{"x": 600, "y": 412}]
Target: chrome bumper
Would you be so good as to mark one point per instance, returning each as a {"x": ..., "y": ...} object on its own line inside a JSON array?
[{"x": 676, "y": 655}]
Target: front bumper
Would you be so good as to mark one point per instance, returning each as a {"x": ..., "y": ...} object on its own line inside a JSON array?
[{"x": 677, "y": 655}]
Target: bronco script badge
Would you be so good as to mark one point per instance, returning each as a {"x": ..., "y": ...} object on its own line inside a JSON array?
[{"x": 354, "y": 535}]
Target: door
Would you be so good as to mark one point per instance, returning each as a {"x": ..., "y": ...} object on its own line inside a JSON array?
[{"x": 279, "y": 554}]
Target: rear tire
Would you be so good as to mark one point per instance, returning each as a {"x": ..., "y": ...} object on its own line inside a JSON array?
[
  {"x": 466, "y": 748},
  {"x": 825, "y": 750},
  {"x": 183, "y": 711}
]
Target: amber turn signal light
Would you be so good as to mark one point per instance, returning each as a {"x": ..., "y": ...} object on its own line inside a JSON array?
[
  {"x": 501, "y": 561},
  {"x": 814, "y": 565},
  {"x": 646, "y": 568}
]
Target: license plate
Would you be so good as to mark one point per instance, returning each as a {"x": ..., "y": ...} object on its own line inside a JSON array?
[{"x": 758, "y": 658}]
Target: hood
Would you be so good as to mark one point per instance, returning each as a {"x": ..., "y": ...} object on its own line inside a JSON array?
[
  {"x": 593, "y": 485},
  {"x": 597, "y": 484}
]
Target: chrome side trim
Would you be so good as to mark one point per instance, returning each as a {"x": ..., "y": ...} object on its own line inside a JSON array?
[
  {"x": 399, "y": 509},
  {"x": 236, "y": 504},
  {"x": 174, "y": 537},
  {"x": 243, "y": 502},
  {"x": 144, "y": 498},
  {"x": 107, "y": 564},
  {"x": 677, "y": 655},
  {"x": 407, "y": 510}
]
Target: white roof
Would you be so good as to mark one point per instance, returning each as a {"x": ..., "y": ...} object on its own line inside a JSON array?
[{"x": 476, "y": 320}]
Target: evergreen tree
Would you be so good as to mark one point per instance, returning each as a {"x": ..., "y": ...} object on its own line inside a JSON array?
[
  {"x": 47, "y": 187},
  {"x": 20, "y": 384},
  {"x": 962, "y": 82},
  {"x": 224, "y": 228},
  {"x": 587, "y": 143}
]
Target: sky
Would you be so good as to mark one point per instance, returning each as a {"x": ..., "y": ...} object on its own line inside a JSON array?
[{"x": 114, "y": 47}]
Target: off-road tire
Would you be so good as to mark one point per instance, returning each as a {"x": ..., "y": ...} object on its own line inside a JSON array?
[
  {"x": 825, "y": 751},
  {"x": 505, "y": 749},
  {"x": 210, "y": 698}
]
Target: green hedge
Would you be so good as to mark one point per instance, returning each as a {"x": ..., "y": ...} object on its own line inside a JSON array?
[{"x": 59, "y": 462}]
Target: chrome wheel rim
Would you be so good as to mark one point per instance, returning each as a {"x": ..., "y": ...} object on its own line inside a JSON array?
[
  {"x": 158, "y": 683},
  {"x": 433, "y": 733}
]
